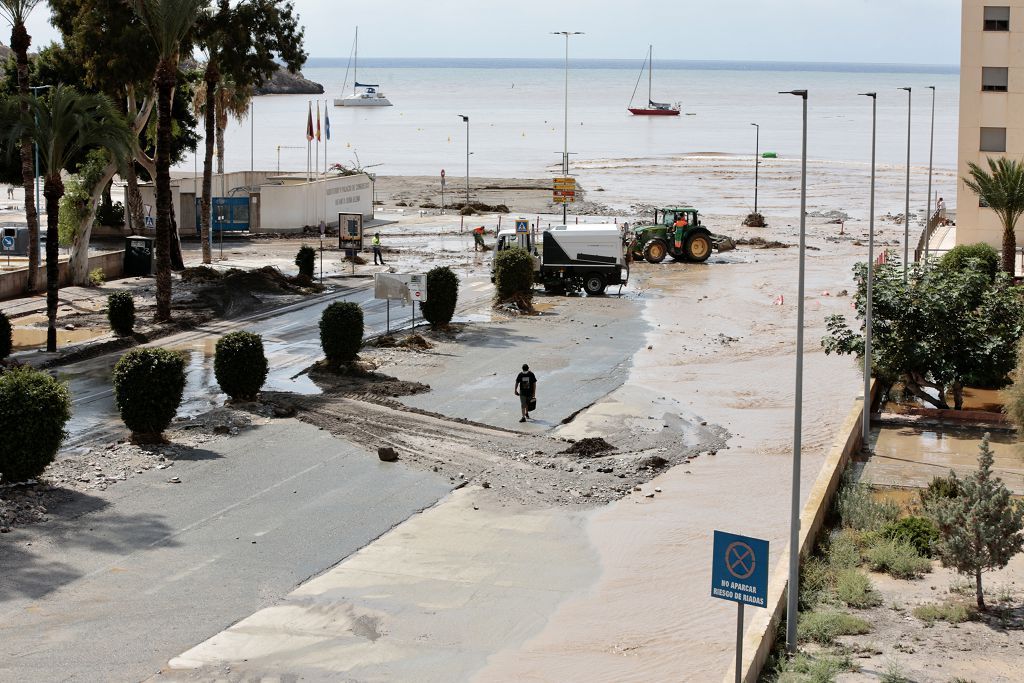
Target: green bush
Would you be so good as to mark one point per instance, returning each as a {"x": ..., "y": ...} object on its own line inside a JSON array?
[
  {"x": 952, "y": 612},
  {"x": 6, "y": 336},
  {"x": 513, "y": 274},
  {"x": 855, "y": 590},
  {"x": 980, "y": 257},
  {"x": 844, "y": 549},
  {"x": 857, "y": 508},
  {"x": 110, "y": 215},
  {"x": 818, "y": 668},
  {"x": 148, "y": 386},
  {"x": 897, "y": 558},
  {"x": 240, "y": 365},
  {"x": 306, "y": 261},
  {"x": 97, "y": 277},
  {"x": 442, "y": 295},
  {"x": 817, "y": 583},
  {"x": 939, "y": 488},
  {"x": 341, "y": 331},
  {"x": 825, "y": 626},
  {"x": 121, "y": 313},
  {"x": 919, "y": 532},
  {"x": 34, "y": 407}
]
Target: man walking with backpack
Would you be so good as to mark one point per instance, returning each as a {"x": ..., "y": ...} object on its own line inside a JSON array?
[{"x": 526, "y": 390}]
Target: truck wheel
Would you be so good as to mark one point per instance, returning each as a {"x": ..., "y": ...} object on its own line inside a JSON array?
[
  {"x": 594, "y": 284},
  {"x": 698, "y": 247},
  {"x": 654, "y": 251}
]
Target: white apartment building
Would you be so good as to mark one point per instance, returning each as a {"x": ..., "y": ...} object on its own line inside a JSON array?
[{"x": 991, "y": 104}]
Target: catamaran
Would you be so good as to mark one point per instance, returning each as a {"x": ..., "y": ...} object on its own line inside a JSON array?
[
  {"x": 653, "y": 108},
  {"x": 363, "y": 94}
]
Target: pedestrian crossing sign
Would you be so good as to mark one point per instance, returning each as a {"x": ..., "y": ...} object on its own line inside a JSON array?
[{"x": 522, "y": 225}]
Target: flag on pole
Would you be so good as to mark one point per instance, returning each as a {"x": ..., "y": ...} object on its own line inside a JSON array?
[
  {"x": 309, "y": 124},
  {"x": 327, "y": 122},
  {"x": 318, "y": 120}
]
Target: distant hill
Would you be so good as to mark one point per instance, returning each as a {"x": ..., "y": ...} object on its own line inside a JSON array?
[{"x": 284, "y": 83}]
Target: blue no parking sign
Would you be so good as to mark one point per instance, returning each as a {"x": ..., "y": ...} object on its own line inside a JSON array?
[{"x": 739, "y": 569}]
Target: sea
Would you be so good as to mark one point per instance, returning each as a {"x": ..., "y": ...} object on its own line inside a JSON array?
[{"x": 518, "y": 126}]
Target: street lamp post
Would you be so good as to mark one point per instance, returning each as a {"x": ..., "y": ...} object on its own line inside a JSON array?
[
  {"x": 794, "y": 519},
  {"x": 871, "y": 277},
  {"x": 465, "y": 119},
  {"x": 931, "y": 158},
  {"x": 279, "y": 148},
  {"x": 757, "y": 159},
  {"x": 565, "y": 140},
  {"x": 906, "y": 210}
]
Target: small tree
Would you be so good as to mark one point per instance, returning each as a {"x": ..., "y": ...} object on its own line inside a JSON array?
[
  {"x": 34, "y": 407},
  {"x": 6, "y": 336},
  {"x": 240, "y": 365},
  {"x": 513, "y": 275},
  {"x": 306, "y": 261},
  {"x": 121, "y": 313},
  {"x": 148, "y": 386},
  {"x": 978, "y": 256},
  {"x": 1001, "y": 189},
  {"x": 442, "y": 296},
  {"x": 980, "y": 529},
  {"x": 341, "y": 332}
]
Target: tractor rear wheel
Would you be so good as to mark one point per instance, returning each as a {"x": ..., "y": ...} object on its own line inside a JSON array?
[
  {"x": 698, "y": 247},
  {"x": 655, "y": 251},
  {"x": 593, "y": 283}
]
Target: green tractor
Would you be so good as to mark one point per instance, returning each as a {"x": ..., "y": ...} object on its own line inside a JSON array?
[{"x": 676, "y": 232}]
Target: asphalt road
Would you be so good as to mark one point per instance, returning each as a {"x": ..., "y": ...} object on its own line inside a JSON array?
[{"x": 121, "y": 583}]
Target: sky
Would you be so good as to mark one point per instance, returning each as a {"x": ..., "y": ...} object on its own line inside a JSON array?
[{"x": 879, "y": 31}]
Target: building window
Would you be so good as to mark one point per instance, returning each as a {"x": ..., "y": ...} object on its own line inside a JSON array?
[
  {"x": 993, "y": 139},
  {"x": 997, "y": 18},
  {"x": 994, "y": 78}
]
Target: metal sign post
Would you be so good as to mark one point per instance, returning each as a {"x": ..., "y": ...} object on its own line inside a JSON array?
[
  {"x": 405, "y": 287},
  {"x": 442, "y": 191},
  {"x": 739, "y": 573}
]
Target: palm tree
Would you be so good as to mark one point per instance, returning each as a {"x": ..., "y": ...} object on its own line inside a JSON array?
[
  {"x": 232, "y": 101},
  {"x": 201, "y": 104},
  {"x": 64, "y": 125},
  {"x": 169, "y": 22},
  {"x": 16, "y": 12},
  {"x": 1001, "y": 189}
]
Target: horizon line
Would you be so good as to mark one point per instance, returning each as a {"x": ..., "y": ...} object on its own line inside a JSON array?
[{"x": 560, "y": 60}]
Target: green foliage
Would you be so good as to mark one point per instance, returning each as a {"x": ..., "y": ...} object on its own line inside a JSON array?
[
  {"x": 97, "y": 277},
  {"x": 857, "y": 508},
  {"x": 824, "y": 626},
  {"x": 34, "y": 407},
  {"x": 121, "y": 312},
  {"x": 341, "y": 331},
  {"x": 944, "y": 328},
  {"x": 442, "y": 296},
  {"x": 306, "y": 261},
  {"x": 844, "y": 549},
  {"x": 513, "y": 274},
  {"x": 1001, "y": 189},
  {"x": 6, "y": 336},
  {"x": 893, "y": 674},
  {"x": 897, "y": 558},
  {"x": 148, "y": 386},
  {"x": 981, "y": 257},
  {"x": 855, "y": 590},
  {"x": 240, "y": 365},
  {"x": 1014, "y": 394},
  {"x": 919, "y": 532},
  {"x": 952, "y": 612},
  {"x": 111, "y": 215},
  {"x": 979, "y": 530},
  {"x": 939, "y": 488},
  {"x": 817, "y": 668}
]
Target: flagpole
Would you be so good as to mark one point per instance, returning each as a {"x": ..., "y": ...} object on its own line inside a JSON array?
[
  {"x": 327, "y": 118},
  {"x": 317, "y": 167}
]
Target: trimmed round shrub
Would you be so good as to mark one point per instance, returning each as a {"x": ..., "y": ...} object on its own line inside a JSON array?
[
  {"x": 513, "y": 274},
  {"x": 306, "y": 261},
  {"x": 341, "y": 331},
  {"x": 978, "y": 256},
  {"x": 34, "y": 407},
  {"x": 121, "y": 313},
  {"x": 6, "y": 336},
  {"x": 442, "y": 295},
  {"x": 148, "y": 386},
  {"x": 240, "y": 365}
]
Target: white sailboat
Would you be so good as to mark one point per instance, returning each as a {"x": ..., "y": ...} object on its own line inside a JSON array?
[{"x": 363, "y": 94}]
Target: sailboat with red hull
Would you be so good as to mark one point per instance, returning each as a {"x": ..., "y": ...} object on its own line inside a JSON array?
[{"x": 653, "y": 108}]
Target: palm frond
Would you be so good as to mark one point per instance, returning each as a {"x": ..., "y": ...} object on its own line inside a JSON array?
[
  {"x": 169, "y": 21},
  {"x": 16, "y": 11}
]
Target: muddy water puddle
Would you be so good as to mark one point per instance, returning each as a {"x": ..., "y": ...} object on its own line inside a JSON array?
[
  {"x": 29, "y": 332},
  {"x": 912, "y": 456}
]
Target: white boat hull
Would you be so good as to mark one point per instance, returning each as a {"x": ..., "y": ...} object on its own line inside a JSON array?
[{"x": 362, "y": 102}]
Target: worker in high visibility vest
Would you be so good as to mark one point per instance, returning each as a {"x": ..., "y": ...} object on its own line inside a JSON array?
[
  {"x": 376, "y": 249},
  {"x": 680, "y": 225},
  {"x": 478, "y": 238}
]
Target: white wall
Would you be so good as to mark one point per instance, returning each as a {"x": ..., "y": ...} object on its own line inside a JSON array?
[{"x": 291, "y": 207}]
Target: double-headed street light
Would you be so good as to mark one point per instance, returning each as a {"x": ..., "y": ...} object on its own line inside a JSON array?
[
  {"x": 565, "y": 148},
  {"x": 465, "y": 119},
  {"x": 794, "y": 520},
  {"x": 870, "y": 276},
  {"x": 906, "y": 210},
  {"x": 757, "y": 159}
]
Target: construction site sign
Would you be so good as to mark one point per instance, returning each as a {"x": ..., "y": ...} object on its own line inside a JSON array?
[
  {"x": 404, "y": 287},
  {"x": 563, "y": 190}
]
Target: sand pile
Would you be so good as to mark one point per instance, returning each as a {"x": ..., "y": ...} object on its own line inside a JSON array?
[{"x": 589, "y": 447}]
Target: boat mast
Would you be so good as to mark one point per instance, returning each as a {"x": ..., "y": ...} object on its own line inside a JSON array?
[
  {"x": 355, "y": 64},
  {"x": 650, "y": 71}
]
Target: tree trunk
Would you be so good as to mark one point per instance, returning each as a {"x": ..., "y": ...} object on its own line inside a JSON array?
[
  {"x": 915, "y": 388},
  {"x": 80, "y": 247},
  {"x": 1009, "y": 249},
  {"x": 177, "y": 259},
  {"x": 165, "y": 82},
  {"x": 20, "y": 42},
  {"x": 958, "y": 395},
  {"x": 977, "y": 587},
  {"x": 53, "y": 190},
  {"x": 135, "y": 212},
  {"x": 221, "y": 116},
  {"x": 212, "y": 77}
]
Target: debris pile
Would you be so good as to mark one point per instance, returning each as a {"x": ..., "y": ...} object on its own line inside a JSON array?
[{"x": 589, "y": 447}]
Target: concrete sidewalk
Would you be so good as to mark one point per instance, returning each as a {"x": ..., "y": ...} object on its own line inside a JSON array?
[{"x": 116, "y": 584}]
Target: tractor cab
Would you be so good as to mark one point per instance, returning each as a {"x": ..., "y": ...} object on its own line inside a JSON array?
[{"x": 668, "y": 217}]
